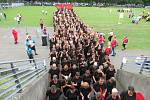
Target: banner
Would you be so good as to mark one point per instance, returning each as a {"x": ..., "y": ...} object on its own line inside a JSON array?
[{"x": 64, "y": 6}]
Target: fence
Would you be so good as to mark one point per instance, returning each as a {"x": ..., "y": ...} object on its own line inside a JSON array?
[
  {"x": 10, "y": 5},
  {"x": 134, "y": 64},
  {"x": 16, "y": 75}
]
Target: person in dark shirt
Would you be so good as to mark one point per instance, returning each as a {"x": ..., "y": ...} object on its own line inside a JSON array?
[
  {"x": 96, "y": 97},
  {"x": 100, "y": 86},
  {"x": 82, "y": 66},
  {"x": 54, "y": 61},
  {"x": 111, "y": 83},
  {"x": 87, "y": 77},
  {"x": 52, "y": 71},
  {"x": 77, "y": 80},
  {"x": 74, "y": 69},
  {"x": 55, "y": 81},
  {"x": 114, "y": 95},
  {"x": 53, "y": 93},
  {"x": 97, "y": 75},
  {"x": 66, "y": 72},
  {"x": 85, "y": 91},
  {"x": 72, "y": 93},
  {"x": 129, "y": 94},
  {"x": 110, "y": 72},
  {"x": 4, "y": 14}
]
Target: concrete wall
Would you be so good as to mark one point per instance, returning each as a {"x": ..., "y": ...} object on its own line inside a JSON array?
[
  {"x": 140, "y": 82},
  {"x": 35, "y": 91}
]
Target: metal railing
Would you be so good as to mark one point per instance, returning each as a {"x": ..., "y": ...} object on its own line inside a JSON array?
[
  {"x": 16, "y": 75},
  {"x": 136, "y": 64}
]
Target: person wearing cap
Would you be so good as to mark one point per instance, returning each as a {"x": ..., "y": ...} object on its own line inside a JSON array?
[
  {"x": 15, "y": 35},
  {"x": 114, "y": 95},
  {"x": 129, "y": 94},
  {"x": 53, "y": 93}
]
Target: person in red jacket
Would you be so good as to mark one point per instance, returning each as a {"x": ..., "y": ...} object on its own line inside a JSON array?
[
  {"x": 15, "y": 35},
  {"x": 139, "y": 96},
  {"x": 107, "y": 50},
  {"x": 113, "y": 46},
  {"x": 101, "y": 40},
  {"x": 124, "y": 42}
]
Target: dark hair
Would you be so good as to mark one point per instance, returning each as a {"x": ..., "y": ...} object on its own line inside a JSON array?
[
  {"x": 131, "y": 88},
  {"x": 29, "y": 46}
]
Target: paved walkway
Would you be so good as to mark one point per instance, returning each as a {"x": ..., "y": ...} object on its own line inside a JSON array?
[
  {"x": 131, "y": 55},
  {"x": 10, "y": 51}
]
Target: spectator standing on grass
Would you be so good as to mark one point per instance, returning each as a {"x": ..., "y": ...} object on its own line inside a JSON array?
[
  {"x": 124, "y": 42},
  {"x": 15, "y": 35},
  {"x": 110, "y": 36},
  {"x": 41, "y": 23},
  {"x": 18, "y": 18},
  {"x": 4, "y": 14}
]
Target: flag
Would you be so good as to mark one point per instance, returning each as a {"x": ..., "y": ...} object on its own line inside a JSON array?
[
  {"x": 69, "y": 6},
  {"x": 60, "y": 6}
]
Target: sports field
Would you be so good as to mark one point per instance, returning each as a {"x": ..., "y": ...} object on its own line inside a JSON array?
[{"x": 99, "y": 18}]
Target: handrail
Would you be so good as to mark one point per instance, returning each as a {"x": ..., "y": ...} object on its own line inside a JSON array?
[
  {"x": 143, "y": 60},
  {"x": 20, "y": 74},
  {"x": 16, "y": 61}
]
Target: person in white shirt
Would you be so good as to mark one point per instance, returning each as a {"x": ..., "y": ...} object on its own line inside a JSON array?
[{"x": 32, "y": 43}]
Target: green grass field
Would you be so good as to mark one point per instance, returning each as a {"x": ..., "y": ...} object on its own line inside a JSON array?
[{"x": 99, "y": 18}]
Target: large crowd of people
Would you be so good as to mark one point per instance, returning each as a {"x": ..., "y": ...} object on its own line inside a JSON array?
[{"x": 80, "y": 68}]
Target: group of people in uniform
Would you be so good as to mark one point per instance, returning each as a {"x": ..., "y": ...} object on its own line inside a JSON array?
[{"x": 80, "y": 68}]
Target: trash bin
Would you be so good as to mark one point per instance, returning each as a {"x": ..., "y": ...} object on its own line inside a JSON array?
[{"x": 44, "y": 40}]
